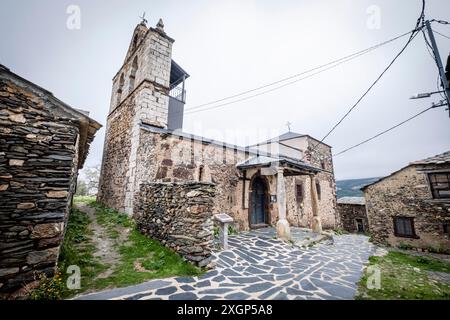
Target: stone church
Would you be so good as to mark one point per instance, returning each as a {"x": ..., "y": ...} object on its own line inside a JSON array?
[{"x": 287, "y": 180}]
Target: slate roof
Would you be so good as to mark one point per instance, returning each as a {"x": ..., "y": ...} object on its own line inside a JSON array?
[
  {"x": 437, "y": 159},
  {"x": 287, "y": 136},
  {"x": 261, "y": 161},
  {"x": 261, "y": 158},
  {"x": 352, "y": 200}
]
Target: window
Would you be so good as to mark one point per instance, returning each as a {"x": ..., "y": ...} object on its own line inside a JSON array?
[
  {"x": 446, "y": 227},
  {"x": 319, "y": 193},
  {"x": 200, "y": 173},
  {"x": 440, "y": 185},
  {"x": 119, "y": 90},
  {"x": 404, "y": 227},
  {"x": 135, "y": 41},
  {"x": 134, "y": 68},
  {"x": 299, "y": 193},
  {"x": 322, "y": 164}
]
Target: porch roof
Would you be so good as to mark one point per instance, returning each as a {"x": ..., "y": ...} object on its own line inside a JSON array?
[{"x": 291, "y": 166}]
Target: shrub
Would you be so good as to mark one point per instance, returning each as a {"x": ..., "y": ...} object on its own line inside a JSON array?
[
  {"x": 49, "y": 288},
  {"x": 405, "y": 246}
]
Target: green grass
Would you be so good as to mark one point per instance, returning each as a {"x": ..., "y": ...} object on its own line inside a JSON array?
[
  {"x": 159, "y": 261},
  {"x": 405, "y": 277},
  {"x": 78, "y": 249},
  {"x": 84, "y": 199}
]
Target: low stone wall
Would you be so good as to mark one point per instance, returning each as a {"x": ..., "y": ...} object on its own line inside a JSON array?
[{"x": 180, "y": 215}]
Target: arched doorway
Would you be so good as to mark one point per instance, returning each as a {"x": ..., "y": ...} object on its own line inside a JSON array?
[{"x": 258, "y": 208}]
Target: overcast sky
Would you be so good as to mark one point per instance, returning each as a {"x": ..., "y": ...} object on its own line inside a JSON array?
[{"x": 231, "y": 46}]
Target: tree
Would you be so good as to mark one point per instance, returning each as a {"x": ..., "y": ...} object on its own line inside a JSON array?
[
  {"x": 89, "y": 178},
  {"x": 82, "y": 189}
]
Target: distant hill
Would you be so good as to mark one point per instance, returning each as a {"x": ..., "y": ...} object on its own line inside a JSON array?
[{"x": 351, "y": 188}]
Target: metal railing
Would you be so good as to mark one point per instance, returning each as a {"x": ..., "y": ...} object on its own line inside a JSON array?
[{"x": 178, "y": 93}]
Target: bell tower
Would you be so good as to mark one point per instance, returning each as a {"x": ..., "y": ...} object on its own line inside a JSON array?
[
  {"x": 145, "y": 75},
  {"x": 141, "y": 94}
]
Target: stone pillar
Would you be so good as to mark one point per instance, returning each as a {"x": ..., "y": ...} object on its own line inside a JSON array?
[
  {"x": 316, "y": 223},
  {"x": 283, "y": 230},
  {"x": 224, "y": 221}
]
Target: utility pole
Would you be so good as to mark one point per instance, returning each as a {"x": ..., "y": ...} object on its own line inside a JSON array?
[{"x": 439, "y": 63}]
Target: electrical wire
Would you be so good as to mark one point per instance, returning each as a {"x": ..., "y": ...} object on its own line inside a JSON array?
[
  {"x": 331, "y": 63},
  {"x": 419, "y": 26},
  {"x": 384, "y": 132},
  {"x": 441, "y": 34}
]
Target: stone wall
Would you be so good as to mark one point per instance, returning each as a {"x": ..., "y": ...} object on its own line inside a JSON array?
[
  {"x": 349, "y": 212},
  {"x": 169, "y": 158},
  {"x": 116, "y": 154},
  {"x": 180, "y": 215},
  {"x": 299, "y": 213},
  {"x": 406, "y": 193},
  {"x": 38, "y": 169}
]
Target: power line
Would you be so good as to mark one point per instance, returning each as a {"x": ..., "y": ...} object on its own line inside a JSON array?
[
  {"x": 343, "y": 59},
  {"x": 190, "y": 111},
  {"x": 414, "y": 33},
  {"x": 441, "y": 34},
  {"x": 419, "y": 26},
  {"x": 385, "y": 131}
]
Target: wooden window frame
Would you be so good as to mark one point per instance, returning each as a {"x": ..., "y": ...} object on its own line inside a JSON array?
[
  {"x": 433, "y": 188},
  {"x": 299, "y": 186},
  {"x": 413, "y": 229}
]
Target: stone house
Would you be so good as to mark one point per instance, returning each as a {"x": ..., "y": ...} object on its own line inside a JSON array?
[
  {"x": 352, "y": 214},
  {"x": 412, "y": 205},
  {"x": 284, "y": 181},
  {"x": 43, "y": 143}
]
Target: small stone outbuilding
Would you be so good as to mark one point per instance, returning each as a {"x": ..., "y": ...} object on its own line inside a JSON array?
[
  {"x": 43, "y": 143},
  {"x": 412, "y": 205},
  {"x": 352, "y": 214}
]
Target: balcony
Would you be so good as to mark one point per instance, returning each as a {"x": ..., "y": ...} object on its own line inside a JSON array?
[{"x": 178, "y": 93}]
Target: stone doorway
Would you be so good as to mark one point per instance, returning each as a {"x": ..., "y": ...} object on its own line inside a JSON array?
[
  {"x": 259, "y": 203},
  {"x": 359, "y": 225}
]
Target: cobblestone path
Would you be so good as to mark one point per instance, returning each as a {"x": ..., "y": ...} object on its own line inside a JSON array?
[{"x": 258, "y": 267}]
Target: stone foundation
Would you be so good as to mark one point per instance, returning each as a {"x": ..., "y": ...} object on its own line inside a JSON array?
[{"x": 180, "y": 215}]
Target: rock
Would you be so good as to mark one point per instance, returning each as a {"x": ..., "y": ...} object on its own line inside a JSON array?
[
  {"x": 57, "y": 194},
  {"x": 4, "y": 187},
  {"x": 19, "y": 118},
  {"x": 193, "y": 194},
  {"x": 48, "y": 256},
  {"x": 47, "y": 230},
  {"x": 16, "y": 162},
  {"x": 8, "y": 271},
  {"x": 25, "y": 205}
]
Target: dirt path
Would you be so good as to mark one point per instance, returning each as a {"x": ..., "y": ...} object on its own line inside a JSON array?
[{"x": 106, "y": 249}]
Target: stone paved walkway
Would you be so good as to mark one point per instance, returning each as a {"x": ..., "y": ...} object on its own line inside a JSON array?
[{"x": 258, "y": 267}]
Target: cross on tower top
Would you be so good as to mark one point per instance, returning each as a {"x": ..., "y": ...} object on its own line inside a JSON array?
[
  {"x": 288, "y": 124},
  {"x": 144, "y": 21}
]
